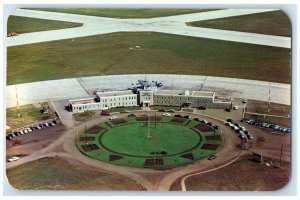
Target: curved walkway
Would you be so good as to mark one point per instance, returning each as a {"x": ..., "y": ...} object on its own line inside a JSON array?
[
  {"x": 42, "y": 91},
  {"x": 183, "y": 187},
  {"x": 93, "y": 25}
]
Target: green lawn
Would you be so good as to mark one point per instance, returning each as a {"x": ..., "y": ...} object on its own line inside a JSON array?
[
  {"x": 120, "y": 109},
  {"x": 29, "y": 115},
  {"x": 84, "y": 116},
  {"x": 271, "y": 23},
  {"x": 59, "y": 174},
  {"x": 132, "y": 139},
  {"x": 160, "y": 53},
  {"x": 27, "y": 25},
  {"x": 124, "y": 12},
  {"x": 168, "y": 142}
]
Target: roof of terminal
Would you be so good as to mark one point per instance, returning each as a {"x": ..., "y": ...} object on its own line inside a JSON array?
[
  {"x": 82, "y": 101},
  {"x": 114, "y": 93},
  {"x": 184, "y": 93}
]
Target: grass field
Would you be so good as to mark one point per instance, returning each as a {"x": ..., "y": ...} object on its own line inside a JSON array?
[
  {"x": 27, "y": 25},
  {"x": 59, "y": 174},
  {"x": 242, "y": 175},
  {"x": 84, "y": 116},
  {"x": 29, "y": 115},
  {"x": 120, "y": 109},
  {"x": 275, "y": 109},
  {"x": 129, "y": 141},
  {"x": 176, "y": 108},
  {"x": 123, "y": 12},
  {"x": 160, "y": 54},
  {"x": 132, "y": 139},
  {"x": 271, "y": 23}
]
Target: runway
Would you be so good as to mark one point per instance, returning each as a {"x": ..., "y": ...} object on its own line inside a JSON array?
[{"x": 93, "y": 25}]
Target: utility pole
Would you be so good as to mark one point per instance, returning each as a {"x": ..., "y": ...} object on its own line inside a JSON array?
[
  {"x": 269, "y": 97},
  {"x": 155, "y": 119},
  {"x": 280, "y": 155},
  {"x": 17, "y": 99},
  {"x": 148, "y": 135}
]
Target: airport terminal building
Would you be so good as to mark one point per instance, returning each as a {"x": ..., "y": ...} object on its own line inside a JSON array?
[{"x": 147, "y": 98}]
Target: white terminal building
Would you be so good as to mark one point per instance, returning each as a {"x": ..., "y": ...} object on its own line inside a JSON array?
[{"x": 147, "y": 98}]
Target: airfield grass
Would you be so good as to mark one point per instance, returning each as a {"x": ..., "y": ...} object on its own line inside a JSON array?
[
  {"x": 130, "y": 141},
  {"x": 29, "y": 115},
  {"x": 124, "y": 12},
  {"x": 159, "y": 54},
  {"x": 27, "y": 24},
  {"x": 59, "y": 174},
  {"x": 271, "y": 23}
]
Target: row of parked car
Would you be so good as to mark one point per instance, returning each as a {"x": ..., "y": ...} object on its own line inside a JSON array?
[
  {"x": 26, "y": 130},
  {"x": 268, "y": 125},
  {"x": 165, "y": 110},
  {"x": 207, "y": 123},
  {"x": 241, "y": 130},
  {"x": 182, "y": 116}
]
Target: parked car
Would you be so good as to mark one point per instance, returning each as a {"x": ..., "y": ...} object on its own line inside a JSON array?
[
  {"x": 229, "y": 120},
  {"x": 236, "y": 129},
  {"x": 212, "y": 157},
  {"x": 242, "y": 134},
  {"x": 162, "y": 110},
  {"x": 29, "y": 129},
  {"x": 9, "y": 137},
  {"x": 25, "y": 131},
  {"x": 209, "y": 123},
  {"x": 171, "y": 110},
  {"x": 13, "y": 158},
  {"x": 52, "y": 124},
  {"x": 186, "y": 116},
  {"x": 227, "y": 109},
  {"x": 105, "y": 113},
  {"x": 167, "y": 114},
  {"x": 235, "y": 107},
  {"x": 113, "y": 117},
  {"x": 242, "y": 128},
  {"x": 250, "y": 136},
  {"x": 13, "y": 134},
  {"x": 131, "y": 115},
  {"x": 202, "y": 108},
  {"x": 203, "y": 121},
  {"x": 244, "y": 101},
  {"x": 178, "y": 115},
  {"x": 216, "y": 127}
]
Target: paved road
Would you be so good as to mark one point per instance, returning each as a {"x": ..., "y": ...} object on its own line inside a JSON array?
[
  {"x": 71, "y": 88},
  {"x": 172, "y": 25}
]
